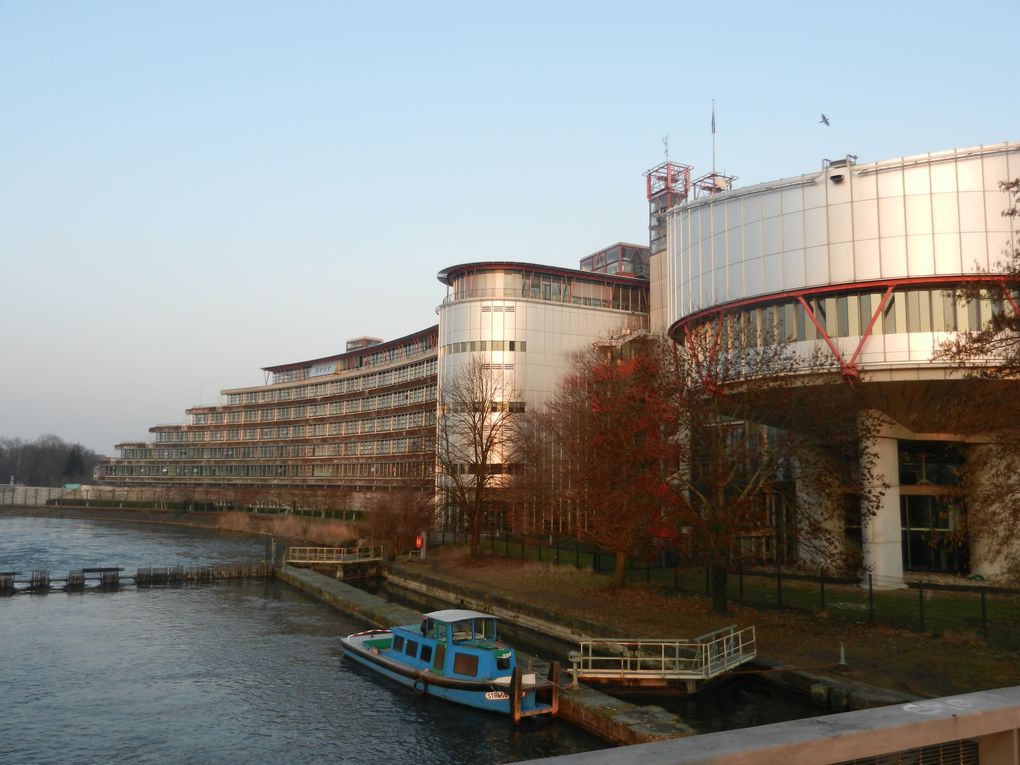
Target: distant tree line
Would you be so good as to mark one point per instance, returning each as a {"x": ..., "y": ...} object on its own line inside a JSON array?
[{"x": 47, "y": 461}]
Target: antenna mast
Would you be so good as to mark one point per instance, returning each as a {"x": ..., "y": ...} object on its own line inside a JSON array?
[{"x": 713, "y": 136}]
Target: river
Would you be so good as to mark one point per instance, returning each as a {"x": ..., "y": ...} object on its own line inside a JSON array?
[{"x": 242, "y": 672}]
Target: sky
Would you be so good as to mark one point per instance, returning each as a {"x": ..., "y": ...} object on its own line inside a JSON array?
[{"x": 192, "y": 190}]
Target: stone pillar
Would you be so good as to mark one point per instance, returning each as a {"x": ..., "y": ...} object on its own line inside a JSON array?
[{"x": 881, "y": 536}]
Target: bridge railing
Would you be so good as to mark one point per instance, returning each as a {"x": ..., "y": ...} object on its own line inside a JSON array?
[
  {"x": 334, "y": 554},
  {"x": 699, "y": 658}
]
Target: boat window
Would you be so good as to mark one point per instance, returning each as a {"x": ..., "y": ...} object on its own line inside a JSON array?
[
  {"x": 486, "y": 629},
  {"x": 503, "y": 663},
  {"x": 398, "y": 642},
  {"x": 465, "y": 664},
  {"x": 411, "y": 649},
  {"x": 461, "y": 631},
  {"x": 426, "y": 653},
  {"x": 440, "y": 656}
]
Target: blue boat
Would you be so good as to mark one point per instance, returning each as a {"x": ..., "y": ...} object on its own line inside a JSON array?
[{"x": 457, "y": 654}]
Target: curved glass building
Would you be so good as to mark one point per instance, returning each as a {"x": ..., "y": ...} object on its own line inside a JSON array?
[{"x": 862, "y": 260}]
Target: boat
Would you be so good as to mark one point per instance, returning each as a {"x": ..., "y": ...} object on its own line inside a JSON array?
[{"x": 457, "y": 654}]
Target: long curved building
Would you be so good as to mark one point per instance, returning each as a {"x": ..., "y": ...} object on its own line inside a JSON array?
[
  {"x": 351, "y": 423},
  {"x": 862, "y": 259}
]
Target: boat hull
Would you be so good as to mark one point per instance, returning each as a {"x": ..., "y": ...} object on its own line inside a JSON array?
[{"x": 491, "y": 694}]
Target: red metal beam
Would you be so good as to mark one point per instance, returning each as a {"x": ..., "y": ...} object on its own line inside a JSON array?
[
  {"x": 855, "y": 287},
  {"x": 850, "y": 371},
  {"x": 871, "y": 325}
]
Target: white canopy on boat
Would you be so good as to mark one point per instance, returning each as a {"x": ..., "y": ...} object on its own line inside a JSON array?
[{"x": 450, "y": 615}]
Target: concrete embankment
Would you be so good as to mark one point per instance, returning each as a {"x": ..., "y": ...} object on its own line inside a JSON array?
[
  {"x": 830, "y": 693},
  {"x": 616, "y": 721}
]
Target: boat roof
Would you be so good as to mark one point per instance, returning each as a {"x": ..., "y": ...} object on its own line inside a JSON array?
[{"x": 457, "y": 615}]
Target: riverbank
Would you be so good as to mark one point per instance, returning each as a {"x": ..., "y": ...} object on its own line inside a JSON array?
[
  {"x": 284, "y": 528},
  {"x": 906, "y": 664}
]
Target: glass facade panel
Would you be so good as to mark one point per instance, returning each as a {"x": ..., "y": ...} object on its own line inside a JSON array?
[{"x": 849, "y": 315}]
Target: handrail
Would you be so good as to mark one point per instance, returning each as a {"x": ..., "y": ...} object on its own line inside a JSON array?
[
  {"x": 333, "y": 554},
  {"x": 699, "y": 658}
]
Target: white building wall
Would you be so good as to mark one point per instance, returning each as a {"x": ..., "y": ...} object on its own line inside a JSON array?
[
  {"x": 930, "y": 215},
  {"x": 552, "y": 332}
]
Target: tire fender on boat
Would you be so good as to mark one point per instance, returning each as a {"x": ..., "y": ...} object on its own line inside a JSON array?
[{"x": 420, "y": 685}]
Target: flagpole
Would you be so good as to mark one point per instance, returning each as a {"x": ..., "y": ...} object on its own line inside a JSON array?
[{"x": 713, "y": 136}]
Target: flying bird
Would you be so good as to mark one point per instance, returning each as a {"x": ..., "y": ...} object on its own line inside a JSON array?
[{"x": 824, "y": 120}]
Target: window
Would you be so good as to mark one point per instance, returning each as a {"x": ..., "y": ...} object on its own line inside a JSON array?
[
  {"x": 918, "y": 311},
  {"x": 889, "y": 316},
  {"x": 465, "y": 664}
]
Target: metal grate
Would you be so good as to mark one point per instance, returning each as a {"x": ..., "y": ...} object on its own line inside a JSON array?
[{"x": 950, "y": 753}]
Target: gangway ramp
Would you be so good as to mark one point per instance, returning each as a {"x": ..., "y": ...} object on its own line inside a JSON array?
[
  {"x": 343, "y": 562},
  {"x": 654, "y": 663}
]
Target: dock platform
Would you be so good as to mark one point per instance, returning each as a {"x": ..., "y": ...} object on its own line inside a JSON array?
[
  {"x": 682, "y": 663},
  {"x": 342, "y": 563},
  {"x": 106, "y": 578}
]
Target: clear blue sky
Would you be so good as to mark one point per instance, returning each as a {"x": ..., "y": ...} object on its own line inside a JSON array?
[{"x": 192, "y": 190}]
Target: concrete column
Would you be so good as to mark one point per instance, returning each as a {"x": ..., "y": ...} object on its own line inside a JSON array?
[{"x": 880, "y": 526}]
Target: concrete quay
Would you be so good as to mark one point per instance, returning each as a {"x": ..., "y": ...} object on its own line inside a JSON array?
[{"x": 616, "y": 721}]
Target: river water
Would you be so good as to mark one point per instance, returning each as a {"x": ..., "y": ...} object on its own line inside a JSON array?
[{"x": 244, "y": 672}]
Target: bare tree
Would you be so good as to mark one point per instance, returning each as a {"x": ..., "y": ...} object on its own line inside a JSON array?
[
  {"x": 479, "y": 443},
  {"x": 394, "y": 519},
  {"x": 759, "y": 418},
  {"x": 994, "y": 350},
  {"x": 47, "y": 461},
  {"x": 987, "y": 410}
]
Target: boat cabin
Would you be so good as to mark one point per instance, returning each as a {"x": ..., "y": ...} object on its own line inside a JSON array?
[{"x": 454, "y": 642}]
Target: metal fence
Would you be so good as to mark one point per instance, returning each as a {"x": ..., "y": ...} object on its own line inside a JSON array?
[
  {"x": 970, "y": 610},
  {"x": 31, "y": 496}
]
